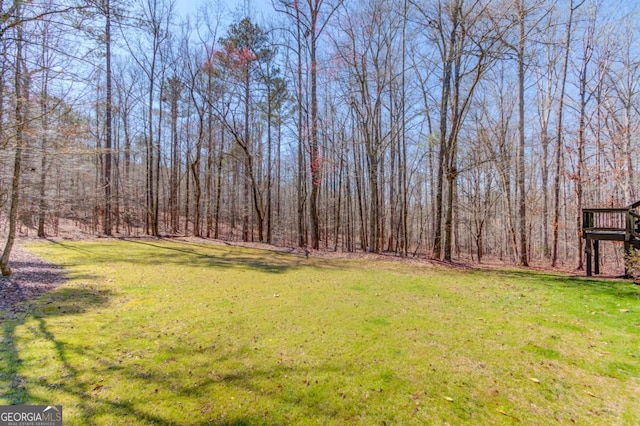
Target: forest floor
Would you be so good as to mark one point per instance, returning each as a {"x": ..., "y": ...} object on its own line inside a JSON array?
[
  {"x": 144, "y": 331},
  {"x": 612, "y": 266}
]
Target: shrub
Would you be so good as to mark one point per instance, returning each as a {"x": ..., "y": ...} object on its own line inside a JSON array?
[{"x": 632, "y": 263}]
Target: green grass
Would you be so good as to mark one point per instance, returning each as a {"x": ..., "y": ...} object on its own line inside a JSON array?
[{"x": 151, "y": 332}]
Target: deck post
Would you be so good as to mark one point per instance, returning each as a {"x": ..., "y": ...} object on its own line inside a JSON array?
[
  {"x": 587, "y": 252},
  {"x": 627, "y": 250},
  {"x": 596, "y": 255}
]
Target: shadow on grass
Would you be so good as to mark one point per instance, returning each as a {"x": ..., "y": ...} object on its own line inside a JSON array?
[
  {"x": 69, "y": 246},
  {"x": 593, "y": 286},
  {"x": 64, "y": 301},
  {"x": 267, "y": 381},
  {"x": 16, "y": 387},
  {"x": 20, "y": 386},
  {"x": 267, "y": 261},
  {"x": 201, "y": 255}
]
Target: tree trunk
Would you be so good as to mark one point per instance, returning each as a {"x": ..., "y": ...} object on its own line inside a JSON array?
[
  {"x": 22, "y": 103},
  {"x": 107, "y": 226},
  {"x": 195, "y": 173},
  {"x": 174, "y": 94},
  {"x": 44, "y": 142},
  {"x": 583, "y": 96},
  {"x": 443, "y": 155},
  {"x": 216, "y": 223},
  {"x": 301, "y": 175},
  {"x": 158, "y": 157},
  {"x": 247, "y": 152},
  {"x": 269, "y": 161},
  {"x": 522, "y": 200},
  {"x": 374, "y": 211},
  {"x": 315, "y": 161},
  {"x": 559, "y": 143}
]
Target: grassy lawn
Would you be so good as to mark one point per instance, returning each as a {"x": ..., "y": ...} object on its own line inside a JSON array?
[{"x": 149, "y": 332}]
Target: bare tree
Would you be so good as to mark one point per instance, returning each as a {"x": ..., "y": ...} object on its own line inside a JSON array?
[
  {"x": 467, "y": 38},
  {"x": 244, "y": 48},
  {"x": 559, "y": 135},
  {"x": 583, "y": 100},
  {"x": 368, "y": 52},
  {"x": 154, "y": 21},
  {"x": 312, "y": 17},
  {"x": 21, "y": 92},
  {"x": 107, "y": 225}
]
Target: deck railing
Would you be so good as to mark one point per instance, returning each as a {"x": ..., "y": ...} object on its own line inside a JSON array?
[
  {"x": 614, "y": 224},
  {"x": 633, "y": 224},
  {"x": 605, "y": 219}
]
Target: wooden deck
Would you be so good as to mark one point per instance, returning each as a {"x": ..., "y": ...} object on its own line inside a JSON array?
[{"x": 609, "y": 224}]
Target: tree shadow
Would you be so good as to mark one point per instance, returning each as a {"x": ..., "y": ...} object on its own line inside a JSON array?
[
  {"x": 250, "y": 380},
  {"x": 72, "y": 247},
  {"x": 618, "y": 288},
  {"x": 14, "y": 385},
  {"x": 32, "y": 277},
  {"x": 80, "y": 299},
  {"x": 180, "y": 253},
  {"x": 20, "y": 387}
]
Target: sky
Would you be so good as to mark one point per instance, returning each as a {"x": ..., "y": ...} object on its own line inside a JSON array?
[{"x": 186, "y": 7}]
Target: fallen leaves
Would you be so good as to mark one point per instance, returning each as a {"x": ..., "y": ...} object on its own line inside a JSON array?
[{"x": 31, "y": 278}]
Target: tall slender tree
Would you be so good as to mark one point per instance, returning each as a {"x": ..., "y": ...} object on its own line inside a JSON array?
[
  {"x": 245, "y": 48},
  {"x": 21, "y": 92},
  {"x": 559, "y": 132}
]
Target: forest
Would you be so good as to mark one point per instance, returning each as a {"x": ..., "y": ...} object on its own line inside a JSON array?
[{"x": 449, "y": 129}]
